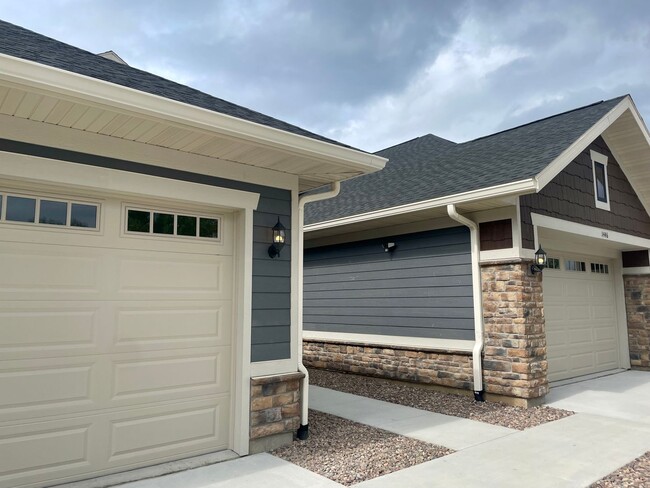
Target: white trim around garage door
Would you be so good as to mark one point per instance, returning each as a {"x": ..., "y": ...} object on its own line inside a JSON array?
[
  {"x": 604, "y": 235},
  {"x": 48, "y": 173}
]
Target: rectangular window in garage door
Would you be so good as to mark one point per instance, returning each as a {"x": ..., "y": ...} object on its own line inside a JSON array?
[
  {"x": 48, "y": 211},
  {"x": 166, "y": 223}
]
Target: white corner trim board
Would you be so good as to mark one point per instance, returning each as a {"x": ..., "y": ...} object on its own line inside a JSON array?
[
  {"x": 588, "y": 231},
  {"x": 78, "y": 87},
  {"x": 424, "y": 343}
]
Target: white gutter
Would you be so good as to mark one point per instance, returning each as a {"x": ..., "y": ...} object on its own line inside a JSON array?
[
  {"x": 507, "y": 189},
  {"x": 303, "y": 431},
  {"x": 477, "y": 293}
]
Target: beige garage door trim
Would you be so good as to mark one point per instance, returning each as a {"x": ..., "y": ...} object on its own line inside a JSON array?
[
  {"x": 580, "y": 309},
  {"x": 64, "y": 427}
]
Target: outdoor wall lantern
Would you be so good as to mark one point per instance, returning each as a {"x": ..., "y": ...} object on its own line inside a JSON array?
[
  {"x": 541, "y": 260},
  {"x": 279, "y": 239},
  {"x": 389, "y": 246}
]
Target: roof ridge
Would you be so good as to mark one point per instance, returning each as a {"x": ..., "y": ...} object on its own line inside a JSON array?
[
  {"x": 414, "y": 139},
  {"x": 546, "y": 118}
]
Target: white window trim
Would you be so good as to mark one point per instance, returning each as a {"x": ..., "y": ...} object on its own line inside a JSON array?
[{"x": 602, "y": 159}]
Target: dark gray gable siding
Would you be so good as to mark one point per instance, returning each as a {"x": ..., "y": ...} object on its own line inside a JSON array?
[
  {"x": 570, "y": 196},
  {"x": 271, "y": 333},
  {"x": 25, "y": 44},
  {"x": 422, "y": 289}
]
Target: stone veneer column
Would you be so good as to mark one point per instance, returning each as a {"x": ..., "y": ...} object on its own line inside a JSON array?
[
  {"x": 637, "y": 307},
  {"x": 275, "y": 411},
  {"x": 515, "y": 339}
]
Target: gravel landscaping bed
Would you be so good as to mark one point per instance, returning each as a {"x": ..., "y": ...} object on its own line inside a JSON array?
[
  {"x": 633, "y": 475},
  {"x": 348, "y": 452},
  {"x": 435, "y": 401}
]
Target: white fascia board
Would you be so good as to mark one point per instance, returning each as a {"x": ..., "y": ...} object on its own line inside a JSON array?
[
  {"x": 570, "y": 153},
  {"x": 638, "y": 270},
  {"x": 588, "y": 231},
  {"x": 425, "y": 343},
  {"x": 515, "y": 188},
  {"x": 76, "y": 87}
]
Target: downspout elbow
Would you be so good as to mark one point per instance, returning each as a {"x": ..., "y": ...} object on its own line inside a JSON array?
[
  {"x": 477, "y": 295},
  {"x": 303, "y": 430}
]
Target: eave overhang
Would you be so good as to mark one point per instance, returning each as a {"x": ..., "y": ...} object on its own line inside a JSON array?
[{"x": 48, "y": 95}]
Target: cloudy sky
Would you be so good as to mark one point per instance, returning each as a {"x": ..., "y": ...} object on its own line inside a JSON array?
[{"x": 373, "y": 73}]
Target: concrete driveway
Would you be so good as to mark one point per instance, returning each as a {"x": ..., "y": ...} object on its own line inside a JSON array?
[
  {"x": 623, "y": 395},
  {"x": 610, "y": 429}
]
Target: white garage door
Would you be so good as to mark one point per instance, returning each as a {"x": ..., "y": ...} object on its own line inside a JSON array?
[
  {"x": 580, "y": 312},
  {"x": 115, "y": 341}
]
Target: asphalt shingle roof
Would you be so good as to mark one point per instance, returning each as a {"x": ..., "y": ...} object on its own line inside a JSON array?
[
  {"x": 430, "y": 167},
  {"x": 25, "y": 44}
]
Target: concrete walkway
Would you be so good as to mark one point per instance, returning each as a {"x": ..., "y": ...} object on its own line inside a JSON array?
[{"x": 611, "y": 428}]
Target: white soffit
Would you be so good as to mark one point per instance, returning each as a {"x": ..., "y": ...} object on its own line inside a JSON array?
[{"x": 49, "y": 95}]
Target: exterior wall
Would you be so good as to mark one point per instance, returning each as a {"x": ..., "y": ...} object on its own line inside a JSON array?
[
  {"x": 275, "y": 411},
  {"x": 637, "y": 306},
  {"x": 422, "y": 289},
  {"x": 444, "y": 368},
  {"x": 515, "y": 338},
  {"x": 514, "y": 364},
  {"x": 271, "y": 315},
  {"x": 570, "y": 196}
]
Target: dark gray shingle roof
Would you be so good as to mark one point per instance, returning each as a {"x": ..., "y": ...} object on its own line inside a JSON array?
[
  {"x": 430, "y": 167},
  {"x": 22, "y": 43}
]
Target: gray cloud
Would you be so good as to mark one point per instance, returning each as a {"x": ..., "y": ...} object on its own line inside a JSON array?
[{"x": 373, "y": 73}]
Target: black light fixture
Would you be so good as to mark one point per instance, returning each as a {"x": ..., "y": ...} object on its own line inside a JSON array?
[
  {"x": 279, "y": 239},
  {"x": 541, "y": 261},
  {"x": 389, "y": 246}
]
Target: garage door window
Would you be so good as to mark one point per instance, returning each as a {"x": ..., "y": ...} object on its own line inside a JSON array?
[
  {"x": 571, "y": 265},
  {"x": 599, "y": 268},
  {"x": 170, "y": 224},
  {"x": 48, "y": 212}
]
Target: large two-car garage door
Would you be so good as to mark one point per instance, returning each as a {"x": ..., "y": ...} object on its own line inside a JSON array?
[
  {"x": 581, "y": 317},
  {"x": 115, "y": 335}
]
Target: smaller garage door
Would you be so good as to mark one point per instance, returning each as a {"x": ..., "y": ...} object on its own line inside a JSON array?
[{"x": 581, "y": 318}]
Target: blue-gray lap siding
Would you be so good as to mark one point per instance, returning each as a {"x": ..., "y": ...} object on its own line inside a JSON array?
[
  {"x": 271, "y": 330},
  {"x": 422, "y": 289}
]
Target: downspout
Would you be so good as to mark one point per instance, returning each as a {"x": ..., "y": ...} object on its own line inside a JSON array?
[
  {"x": 303, "y": 430},
  {"x": 477, "y": 293}
]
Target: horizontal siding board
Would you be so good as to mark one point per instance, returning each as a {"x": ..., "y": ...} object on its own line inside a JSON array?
[
  {"x": 271, "y": 334},
  {"x": 414, "y": 322},
  {"x": 386, "y": 264},
  {"x": 393, "y": 302},
  {"x": 422, "y": 289},
  {"x": 272, "y": 284},
  {"x": 453, "y": 270},
  {"x": 263, "y": 267},
  {"x": 271, "y": 301},
  {"x": 438, "y": 333},
  {"x": 428, "y": 312},
  {"x": 270, "y": 352},
  {"x": 430, "y": 281},
  {"x": 271, "y": 318},
  {"x": 392, "y": 292}
]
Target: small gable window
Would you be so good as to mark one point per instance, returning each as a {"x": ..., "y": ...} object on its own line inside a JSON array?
[{"x": 601, "y": 187}]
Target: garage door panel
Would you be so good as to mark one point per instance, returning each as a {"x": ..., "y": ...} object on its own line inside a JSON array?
[
  {"x": 163, "y": 378},
  {"x": 174, "y": 324},
  {"x": 194, "y": 278},
  {"x": 26, "y": 274},
  {"x": 111, "y": 441},
  {"x": 42, "y": 451}
]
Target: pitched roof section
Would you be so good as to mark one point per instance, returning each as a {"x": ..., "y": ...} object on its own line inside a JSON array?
[
  {"x": 25, "y": 44},
  {"x": 429, "y": 167}
]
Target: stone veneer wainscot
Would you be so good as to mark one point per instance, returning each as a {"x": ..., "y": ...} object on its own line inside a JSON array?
[{"x": 637, "y": 306}]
